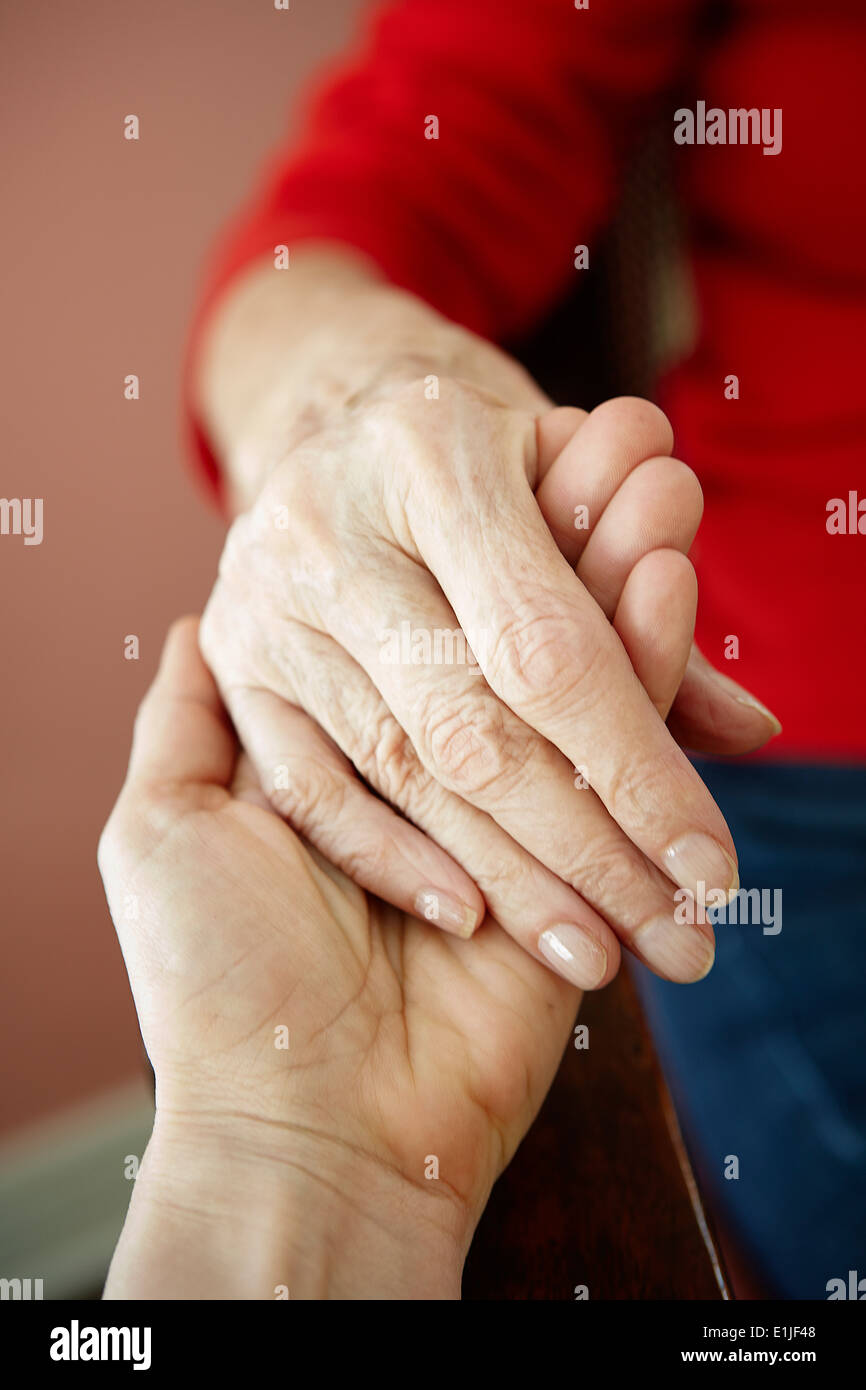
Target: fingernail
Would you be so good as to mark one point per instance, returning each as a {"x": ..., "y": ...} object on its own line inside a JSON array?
[
  {"x": 677, "y": 950},
  {"x": 768, "y": 714},
  {"x": 574, "y": 954},
  {"x": 699, "y": 859},
  {"x": 446, "y": 911},
  {"x": 744, "y": 697}
]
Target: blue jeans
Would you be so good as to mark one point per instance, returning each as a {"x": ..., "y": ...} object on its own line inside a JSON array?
[{"x": 766, "y": 1057}]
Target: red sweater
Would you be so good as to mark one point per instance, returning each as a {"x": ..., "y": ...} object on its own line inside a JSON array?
[{"x": 539, "y": 104}]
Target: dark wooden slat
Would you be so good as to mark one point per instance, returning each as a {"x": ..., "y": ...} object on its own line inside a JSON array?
[{"x": 601, "y": 1192}]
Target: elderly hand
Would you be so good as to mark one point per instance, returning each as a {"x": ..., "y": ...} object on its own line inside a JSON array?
[{"x": 547, "y": 785}]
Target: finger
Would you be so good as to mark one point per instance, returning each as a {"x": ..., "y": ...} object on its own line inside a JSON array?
[
  {"x": 657, "y": 507},
  {"x": 655, "y": 619},
  {"x": 554, "y": 660},
  {"x": 546, "y": 916},
  {"x": 552, "y": 432},
  {"x": 313, "y": 786},
  {"x": 659, "y": 504},
  {"x": 474, "y": 746},
  {"x": 181, "y": 734},
  {"x": 592, "y": 464},
  {"x": 713, "y": 714}
]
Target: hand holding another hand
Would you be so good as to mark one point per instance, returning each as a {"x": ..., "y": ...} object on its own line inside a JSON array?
[
  {"x": 434, "y": 516},
  {"x": 354, "y": 1161}
]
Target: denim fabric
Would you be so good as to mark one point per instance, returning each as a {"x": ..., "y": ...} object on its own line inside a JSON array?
[{"x": 766, "y": 1057}]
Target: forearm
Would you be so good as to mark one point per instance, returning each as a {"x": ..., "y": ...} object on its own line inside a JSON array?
[
  {"x": 214, "y": 1217},
  {"x": 286, "y": 353}
]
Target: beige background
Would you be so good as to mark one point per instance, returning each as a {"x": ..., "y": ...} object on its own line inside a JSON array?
[{"x": 101, "y": 240}]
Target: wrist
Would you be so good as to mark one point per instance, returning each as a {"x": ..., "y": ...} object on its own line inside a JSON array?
[
  {"x": 289, "y": 354},
  {"x": 242, "y": 1209}
]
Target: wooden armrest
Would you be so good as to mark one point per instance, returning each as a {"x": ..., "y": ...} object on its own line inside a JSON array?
[{"x": 601, "y": 1192}]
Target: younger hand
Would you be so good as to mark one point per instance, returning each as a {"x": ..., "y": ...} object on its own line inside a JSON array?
[{"x": 409, "y": 1052}]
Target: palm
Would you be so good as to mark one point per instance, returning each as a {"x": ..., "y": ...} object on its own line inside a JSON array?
[
  {"x": 402, "y": 1042},
  {"x": 451, "y": 1044}
]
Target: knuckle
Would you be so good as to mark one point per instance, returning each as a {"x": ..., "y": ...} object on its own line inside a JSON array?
[
  {"x": 366, "y": 861},
  {"x": 293, "y": 544},
  {"x": 459, "y": 439},
  {"x": 386, "y": 758},
  {"x": 527, "y": 658},
  {"x": 308, "y": 795},
  {"x": 499, "y": 860},
  {"x": 639, "y": 790},
  {"x": 608, "y": 874},
  {"x": 544, "y": 663},
  {"x": 466, "y": 747},
  {"x": 626, "y": 794}
]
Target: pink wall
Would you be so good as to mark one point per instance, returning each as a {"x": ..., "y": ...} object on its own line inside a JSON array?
[{"x": 101, "y": 242}]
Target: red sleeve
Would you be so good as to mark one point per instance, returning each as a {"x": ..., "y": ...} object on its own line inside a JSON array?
[{"x": 537, "y": 103}]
